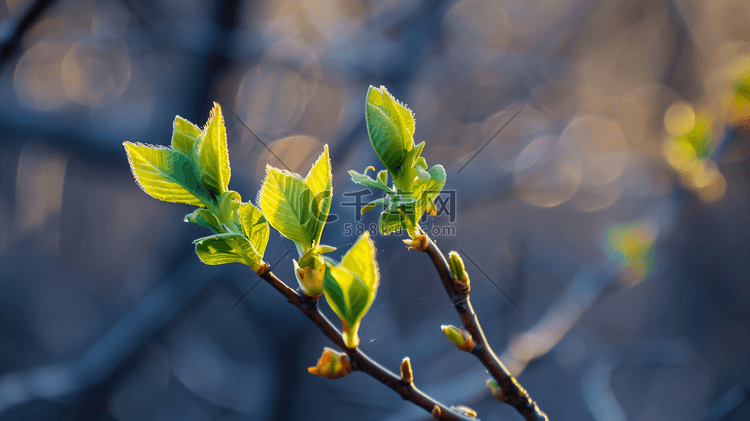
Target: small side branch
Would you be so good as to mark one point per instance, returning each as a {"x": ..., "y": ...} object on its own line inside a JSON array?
[
  {"x": 359, "y": 360},
  {"x": 509, "y": 391}
]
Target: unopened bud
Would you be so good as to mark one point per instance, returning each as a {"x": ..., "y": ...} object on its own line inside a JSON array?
[
  {"x": 406, "y": 374},
  {"x": 418, "y": 243},
  {"x": 494, "y": 388},
  {"x": 332, "y": 365},
  {"x": 310, "y": 272},
  {"x": 464, "y": 410},
  {"x": 436, "y": 412},
  {"x": 460, "y": 337},
  {"x": 458, "y": 270}
]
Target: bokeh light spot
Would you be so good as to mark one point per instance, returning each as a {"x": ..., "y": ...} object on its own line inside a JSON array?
[
  {"x": 37, "y": 80},
  {"x": 548, "y": 172},
  {"x": 679, "y": 119},
  {"x": 96, "y": 69},
  {"x": 632, "y": 245},
  {"x": 271, "y": 99}
]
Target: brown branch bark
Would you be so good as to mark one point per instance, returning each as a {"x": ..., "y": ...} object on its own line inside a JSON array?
[
  {"x": 511, "y": 392},
  {"x": 359, "y": 360}
]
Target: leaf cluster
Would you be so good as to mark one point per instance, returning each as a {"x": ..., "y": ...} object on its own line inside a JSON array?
[
  {"x": 391, "y": 126},
  {"x": 195, "y": 170}
]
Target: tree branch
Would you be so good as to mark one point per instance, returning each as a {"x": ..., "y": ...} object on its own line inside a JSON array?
[
  {"x": 511, "y": 392},
  {"x": 359, "y": 360}
]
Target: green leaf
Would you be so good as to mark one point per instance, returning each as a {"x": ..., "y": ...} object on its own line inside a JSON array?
[
  {"x": 349, "y": 298},
  {"x": 227, "y": 248},
  {"x": 422, "y": 175},
  {"x": 229, "y": 204},
  {"x": 213, "y": 155},
  {"x": 184, "y": 134},
  {"x": 254, "y": 226},
  {"x": 351, "y": 285},
  {"x": 320, "y": 182},
  {"x": 391, "y": 220},
  {"x": 206, "y": 219},
  {"x": 383, "y": 201},
  {"x": 165, "y": 174},
  {"x": 385, "y": 128},
  {"x": 360, "y": 260},
  {"x": 286, "y": 201},
  {"x": 366, "y": 181},
  {"x": 413, "y": 158},
  {"x": 382, "y": 177},
  {"x": 432, "y": 189}
]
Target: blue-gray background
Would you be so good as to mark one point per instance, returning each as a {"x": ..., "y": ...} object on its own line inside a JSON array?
[{"x": 107, "y": 314}]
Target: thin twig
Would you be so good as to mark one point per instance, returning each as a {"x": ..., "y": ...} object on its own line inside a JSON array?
[
  {"x": 511, "y": 392},
  {"x": 359, "y": 360}
]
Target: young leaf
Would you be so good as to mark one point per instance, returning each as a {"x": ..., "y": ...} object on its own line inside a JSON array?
[
  {"x": 350, "y": 287},
  {"x": 366, "y": 181},
  {"x": 432, "y": 189},
  {"x": 286, "y": 201},
  {"x": 385, "y": 130},
  {"x": 254, "y": 226},
  {"x": 213, "y": 155},
  {"x": 227, "y": 248},
  {"x": 165, "y": 174},
  {"x": 184, "y": 134},
  {"x": 360, "y": 260},
  {"x": 206, "y": 219},
  {"x": 391, "y": 221},
  {"x": 320, "y": 182},
  {"x": 375, "y": 203},
  {"x": 383, "y": 177},
  {"x": 350, "y": 299},
  {"x": 229, "y": 203}
]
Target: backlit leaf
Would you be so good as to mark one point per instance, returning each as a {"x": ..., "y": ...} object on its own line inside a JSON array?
[
  {"x": 286, "y": 202},
  {"x": 369, "y": 182},
  {"x": 320, "y": 182},
  {"x": 165, "y": 174},
  {"x": 227, "y": 248},
  {"x": 385, "y": 130},
  {"x": 350, "y": 286},
  {"x": 184, "y": 134},
  {"x": 254, "y": 226},
  {"x": 206, "y": 219},
  {"x": 360, "y": 260},
  {"x": 213, "y": 155}
]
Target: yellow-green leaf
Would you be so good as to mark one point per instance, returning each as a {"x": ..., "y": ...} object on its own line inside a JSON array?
[
  {"x": 165, "y": 174},
  {"x": 360, "y": 260},
  {"x": 206, "y": 219},
  {"x": 254, "y": 226},
  {"x": 286, "y": 201},
  {"x": 320, "y": 182},
  {"x": 350, "y": 287},
  {"x": 227, "y": 248},
  {"x": 229, "y": 204},
  {"x": 213, "y": 155},
  {"x": 386, "y": 129},
  {"x": 184, "y": 134}
]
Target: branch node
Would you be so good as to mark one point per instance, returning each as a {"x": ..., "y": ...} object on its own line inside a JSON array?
[
  {"x": 263, "y": 270},
  {"x": 436, "y": 412}
]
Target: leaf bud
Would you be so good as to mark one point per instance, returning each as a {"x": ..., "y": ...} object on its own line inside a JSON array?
[{"x": 460, "y": 337}]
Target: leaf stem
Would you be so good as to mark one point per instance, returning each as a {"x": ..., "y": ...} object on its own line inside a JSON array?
[
  {"x": 511, "y": 392},
  {"x": 359, "y": 360}
]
